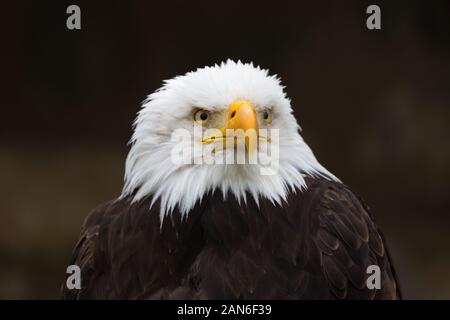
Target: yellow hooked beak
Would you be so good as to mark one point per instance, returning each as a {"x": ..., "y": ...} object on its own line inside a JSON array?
[
  {"x": 241, "y": 116},
  {"x": 241, "y": 123}
]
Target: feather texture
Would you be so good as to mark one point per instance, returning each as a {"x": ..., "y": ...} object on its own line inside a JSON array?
[{"x": 316, "y": 245}]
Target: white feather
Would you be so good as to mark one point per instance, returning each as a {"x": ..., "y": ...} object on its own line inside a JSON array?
[{"x": 150, "y": 171}]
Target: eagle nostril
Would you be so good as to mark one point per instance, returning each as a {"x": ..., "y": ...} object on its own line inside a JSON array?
[{"x": 233, "y": 114}]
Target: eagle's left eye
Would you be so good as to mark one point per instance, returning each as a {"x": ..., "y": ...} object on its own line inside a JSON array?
[
  {"x": 201, "y": 116},
  {"x": 267, "y": 116}
]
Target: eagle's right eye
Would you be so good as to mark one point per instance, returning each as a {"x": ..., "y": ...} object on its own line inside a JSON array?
[{"x": 201, "y": 116}]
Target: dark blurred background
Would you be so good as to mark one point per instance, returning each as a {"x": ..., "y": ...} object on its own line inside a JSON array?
[{"x": 374, "y": 106}]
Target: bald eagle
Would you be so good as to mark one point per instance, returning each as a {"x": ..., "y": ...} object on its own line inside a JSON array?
[{"x": 225, "y": 229}]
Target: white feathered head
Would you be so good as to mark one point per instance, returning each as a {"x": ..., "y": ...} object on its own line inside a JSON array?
[{"x": 199, "y": 111}]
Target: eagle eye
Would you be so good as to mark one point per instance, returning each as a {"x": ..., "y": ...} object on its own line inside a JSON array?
[
  {"x": 201, "y": 116},
  {"x": 267, "y": 116}
]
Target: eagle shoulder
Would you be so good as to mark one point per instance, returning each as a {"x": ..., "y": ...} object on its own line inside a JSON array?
[
  {"x": 124, "y": 252},
  {"x": 84, "y": 254},
  {"x": 348, "y": 241}
]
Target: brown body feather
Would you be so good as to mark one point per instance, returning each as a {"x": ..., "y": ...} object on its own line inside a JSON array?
[{"x": 318, "y": 245}]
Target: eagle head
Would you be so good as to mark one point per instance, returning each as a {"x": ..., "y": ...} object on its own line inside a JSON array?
[{"x": 228, "y": 127}]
